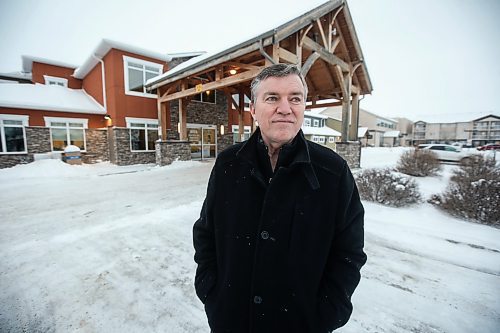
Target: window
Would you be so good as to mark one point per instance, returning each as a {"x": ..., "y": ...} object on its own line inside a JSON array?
[
  {"x": 322, "y": 139},
  {"x": 331, "y": 139},
  {"x": 315, "y": 138},
  {"x": 55, "y": 81},
  {"x": 136, "y": 73},
  {"x": 307, "y": 122},
  {"x": 143, "y": 133},
  {"x": 205, "y": 97},
  {"x": 13, "y": 134},
  {"x": 246, "y": 134},
  {"x": 316, "y": 122},
  {"x": 66, "y": 131}
]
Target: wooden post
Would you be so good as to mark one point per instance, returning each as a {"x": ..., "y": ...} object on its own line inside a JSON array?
[
  {"x": 182, "y": 119},
  {"x": 241, "y": 109},
  {"x": 163, "y": 115},
  {"x": 353, "y": 131},
  {"x": 346, "y": 106}
]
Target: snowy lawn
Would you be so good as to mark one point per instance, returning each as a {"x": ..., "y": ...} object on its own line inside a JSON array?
[{"x": 103, "y": 248}]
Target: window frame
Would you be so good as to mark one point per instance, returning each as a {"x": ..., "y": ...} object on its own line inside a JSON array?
[
  {"x": 48, "y": 79},
  {"x": 3, "y": 143},
  {"x": 315, "y": 122},
  {"x": 83, "y": 121},
  {"x": 146, "y": 122},
  {"x": 307, "y": 122},
  {"x": 143, "y": 63},
  {"x": 207, "y": 102}
]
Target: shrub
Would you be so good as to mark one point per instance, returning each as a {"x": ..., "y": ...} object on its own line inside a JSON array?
[
  {"x": 387, "y": 187},
  {"x": 473, "y": 192},
  {"x": 419, "y": 162}
]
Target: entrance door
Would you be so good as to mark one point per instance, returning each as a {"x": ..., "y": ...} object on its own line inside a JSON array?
[{"x": 203, "y": 140}]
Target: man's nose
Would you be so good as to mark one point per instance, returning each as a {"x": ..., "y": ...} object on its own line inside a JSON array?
[{"x": 284, "y": 106}]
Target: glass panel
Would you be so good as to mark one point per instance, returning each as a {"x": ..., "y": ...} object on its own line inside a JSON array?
[
  {"x": 197, "y": 98},
  {"x": 151, "y": 75},
  {"x": 137, "y": 125},
  {"x": 14, "y": 139},
  {"x": 209, "y": 96},
  {"x": 138, "y": 139},
  {"x": 195, "y": 152},
  {"x": 132, "y": 64},
  {"x": 76, "y": 137},
  {"x": 75, "y": 125},
  {"x": 135, "y": 82},
  {"x": 194, "y": 135},
  {"x": 152, "y": 137},
  {"x": 59, "y": 139},
  {"x": 57, "y": 124},
  {"x": 153, "y": 69},
  {"x": 208, "y": 151},
  {"x": 13, "y": 122},
  {"x": 209, "y": 136},
  {"x": 152, "y": 125}
]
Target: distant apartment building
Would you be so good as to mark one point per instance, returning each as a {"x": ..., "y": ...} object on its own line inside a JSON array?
[
  {"x": 380, "y": 131},
  {"x": 315, "y": 129},
  {"x": 477, "y": 132}
]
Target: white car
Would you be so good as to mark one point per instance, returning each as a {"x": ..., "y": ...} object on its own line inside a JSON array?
[{"x": 446, "y": 152}]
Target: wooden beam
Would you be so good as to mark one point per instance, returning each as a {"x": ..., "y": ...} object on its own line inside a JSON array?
[
  {"x": 325, "y": 55},
  {"x": 241, "y": 109},
  {"x": 322, "y": 33},
  {"x": 288, "y": 56},
  {"x": 241, "y": 65},
  {"x": 340, "y": 78},
  {"x": 303, "y": 34},
  {"x": 322, "y": 105},
  {"x": 309, "y": 62},
  {"x": 235, "y": 79},
  {"x": 183, "y": 119},
  {"x": 346, "y": 107}
]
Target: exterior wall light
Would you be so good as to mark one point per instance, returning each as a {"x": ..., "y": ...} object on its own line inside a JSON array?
[
  {"x": 232, "y": 71},
  {"x": 221, "y": 129},
  {"x": 107, "y": 117}
]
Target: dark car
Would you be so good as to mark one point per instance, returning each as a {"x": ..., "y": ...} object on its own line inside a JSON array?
[{"x": 489, "y": 146}]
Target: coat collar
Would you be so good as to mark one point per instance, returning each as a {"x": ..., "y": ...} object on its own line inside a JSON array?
[{"x": 300, "y": 158}]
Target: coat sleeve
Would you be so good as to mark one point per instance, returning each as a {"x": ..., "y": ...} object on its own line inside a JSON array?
[
  {"x": 342, "y": 272},
  {"x": 204, "y": 244}
]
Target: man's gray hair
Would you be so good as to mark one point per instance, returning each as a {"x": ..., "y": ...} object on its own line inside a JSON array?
[{"x": 277, "y": 70}]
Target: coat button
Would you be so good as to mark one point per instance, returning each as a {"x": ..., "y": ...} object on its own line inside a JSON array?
[
  {"x": 264, "y": 234},
  {"x": 257, "y": 299}
]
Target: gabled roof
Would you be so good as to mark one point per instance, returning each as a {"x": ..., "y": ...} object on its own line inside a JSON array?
[
  {"x": 209, "y": 60},
  {"x": 314, "y": 115},
  {"x": 105, "y": 46},
  {"x": 488, "y": 116},
  {"x": 48, "y": 97},
  {"x": 310, "y": 130},
  {"x": 17, "y": 76}
]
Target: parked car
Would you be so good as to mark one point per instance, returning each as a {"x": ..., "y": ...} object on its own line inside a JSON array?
[
  {"x": 489, "y": 146},
  {"x": 446, "y": 152}
]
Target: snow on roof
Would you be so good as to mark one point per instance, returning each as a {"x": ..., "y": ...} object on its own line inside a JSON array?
[
  {"x": 48, "y": 97},
  {"x": 250, "y": 37},
  {"x": 327, "y": 131},
  {"x": 314, "y": 115},
  {"x": 29, "y": 60},
  {"x": 17, "y": 75},
  {"x": 107, "y": 44},
  {"x": 186, "y": 54},
  {"x": 391, "y": 134},
  {"x": 362, "y": 132},
  {"x": 454, "y": 117}
]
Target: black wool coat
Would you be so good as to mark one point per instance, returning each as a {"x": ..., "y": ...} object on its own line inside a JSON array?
[{"x": 280, "y": 253}]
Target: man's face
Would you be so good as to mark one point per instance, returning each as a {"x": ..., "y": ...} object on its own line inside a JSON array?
[{"x": 279, "y": 109}]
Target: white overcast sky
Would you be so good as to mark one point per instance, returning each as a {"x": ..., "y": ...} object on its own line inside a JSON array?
[{"x": 425, "y": 57}]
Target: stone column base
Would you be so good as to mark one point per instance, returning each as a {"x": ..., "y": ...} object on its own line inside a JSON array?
[
  {"x": 351, "y": 152},
  {"x": 172, "y": 150}
]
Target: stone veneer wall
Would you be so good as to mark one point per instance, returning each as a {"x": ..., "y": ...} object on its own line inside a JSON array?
[
  {"x": 224, "y": 141},
  {"x": 97, "y": 146},
  {"x": 199, "y": 113},
  {"x": 351, "y": 152},
  {"x": 37, "y": 141},
  {"x": 120, "y": 144},
  {"x": 172, "y": 150}
]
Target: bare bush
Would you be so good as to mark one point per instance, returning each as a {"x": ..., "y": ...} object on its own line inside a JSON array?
[
  {"x": 387, "y": 187},
  {"x": 473, "y": 192},
  {"x": 419, "y": 162}
]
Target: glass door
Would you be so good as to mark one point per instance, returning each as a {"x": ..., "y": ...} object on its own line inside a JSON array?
[{"x": 203, "y": 141}]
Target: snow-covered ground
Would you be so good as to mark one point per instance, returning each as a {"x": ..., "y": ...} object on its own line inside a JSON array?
[{"x": 102, "y": 248}]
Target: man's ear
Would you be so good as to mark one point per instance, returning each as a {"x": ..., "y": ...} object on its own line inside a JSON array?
[{"x": 252, "y": 110}]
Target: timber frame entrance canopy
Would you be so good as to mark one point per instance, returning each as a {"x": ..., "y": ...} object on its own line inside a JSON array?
[{"x": 322, "y": 42}]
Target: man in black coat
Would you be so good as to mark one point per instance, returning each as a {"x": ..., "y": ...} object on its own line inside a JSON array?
[{"x": 279, "y": 242}]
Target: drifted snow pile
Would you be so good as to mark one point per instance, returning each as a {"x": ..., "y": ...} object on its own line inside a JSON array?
[{"x": 387, "y": 187}]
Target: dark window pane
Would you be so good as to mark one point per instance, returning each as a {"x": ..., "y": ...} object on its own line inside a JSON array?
[
  {"x": 152, "y": 137},
  {"x": 14, "y": 139},
  {"x": 135, "y": 80},
  {"x": 77, "y": 138},
  {"x": 209, "y": 96},
  {"x": 138, "y": 139}
]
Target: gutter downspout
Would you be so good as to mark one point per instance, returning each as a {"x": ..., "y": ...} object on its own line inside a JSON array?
[{"x": 103, "y": 82}]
